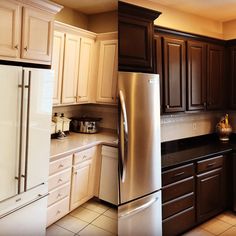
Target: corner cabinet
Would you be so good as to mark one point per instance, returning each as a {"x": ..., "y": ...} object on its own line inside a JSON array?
[
  {"x": 136, "y": 38},
  {"x": 27, "y": 30}
]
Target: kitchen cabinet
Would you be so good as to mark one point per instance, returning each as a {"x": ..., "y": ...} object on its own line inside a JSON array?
[
  {"x": 232, "y": 75},
  {"x": 27, "y": 30},
  {"x": 215, "y": 76},
  {"x": 174, "y": 74},
  {"x": 107, "y": 71},
  {"x": 136, "y": 38},
  {"x": 197, "y": 80}
]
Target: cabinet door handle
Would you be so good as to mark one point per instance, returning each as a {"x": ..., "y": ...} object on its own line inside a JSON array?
[
  {"x": 178, "y": 174},
  {"x": 60, "y": 166},
  {"x": 211, "y": 164},
  {"x": 26, "y": 48},
  {"x": 58, "y": 212},
  {"x": 167, "y": 106},
  {"x": 59, "y": 180},
  {"x": 16, "y": 47}
]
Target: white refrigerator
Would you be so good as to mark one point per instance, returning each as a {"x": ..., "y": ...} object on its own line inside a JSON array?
[{"x": 25, "y": 104}]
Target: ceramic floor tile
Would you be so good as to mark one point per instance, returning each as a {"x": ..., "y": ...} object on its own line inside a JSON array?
[
  {"x": 229, "y": 232},
  {"x": 95, "y": 206},
  {"x": 215, "y": 226},
  {"x": 112, "y": 213},
  {"x": 106, "y": 223},
  {"x": 55, "y": 230},
  {"x": 92, "y": 230},
  {"x": 85, "y": 214},
  {"x": 71, "y": 223},
  {"x": 198, "y": 232},
  {"x": 228, "y": 217}
]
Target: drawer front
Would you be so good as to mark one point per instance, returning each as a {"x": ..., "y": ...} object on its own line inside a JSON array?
[
  {"x": 177, "y": 224},
  {"x": 59, "y": 179},
  {"x": 59, "y": 165},
  {"x": 209, "y": 164},
  {"x": 57, "y": 211},
  {"x": 177, "y": 205},
  {"x": 176, "y": 174},
  {"x": 178, "y": 189},
  {"x": 58, "y": 194},
  {"x": 84, "y": 155}
]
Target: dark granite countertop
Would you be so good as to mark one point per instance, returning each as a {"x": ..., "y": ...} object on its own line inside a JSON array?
[{"x": 184, "y": 151}]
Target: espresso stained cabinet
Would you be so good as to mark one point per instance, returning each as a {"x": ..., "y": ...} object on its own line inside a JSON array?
[
  {"x": 136, "y": 38},
  {"x": 215, "y": 76},
  {"x": 232, "y": 55},
  {"x": 196, "y": 88},
  {"x": 174, "y": 75}
]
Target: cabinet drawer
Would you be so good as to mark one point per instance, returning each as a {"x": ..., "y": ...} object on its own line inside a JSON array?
[
  {"x": 176, "y": 174},
  {"x": 58, "y": 194},
  {"x": 209, "y": 164},
  {"x": 175, "y": 206},
  {"x": 178, "y": 189},
  {"x": 177, "y": 224},
  {"x": 58, "y": 210},
  {"x": 59, "y": 179},
  {"x": 84, "y": 155},
  {"x": 61, "y": 164}
]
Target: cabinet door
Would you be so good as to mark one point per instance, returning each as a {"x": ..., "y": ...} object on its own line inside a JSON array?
[
  {"x": 210, "y": 190},
  {"x": 107, "y": 72},
  {"x": 37, "y": 35},
  {"x": 57, "y": 65},
  {"x": 232, "y": 88},
  {"x": 215, "y": 77},
  {"x": 175, "y": 74},
  {"x": 71, "y": 66},
  {"x": 196, "y": 76},
  {"x": 86, "y": 54},
  {"x": 10, "y": 28},
  {"x": 82, "y": 188}
]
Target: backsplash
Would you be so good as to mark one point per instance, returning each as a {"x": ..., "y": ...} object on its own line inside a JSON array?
[{"x": 109, "y": 114}]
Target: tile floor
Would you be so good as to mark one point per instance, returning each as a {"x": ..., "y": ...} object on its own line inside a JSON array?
[
  {"x": 223, "y": 225},
  {"x": 91, "y": 219}
]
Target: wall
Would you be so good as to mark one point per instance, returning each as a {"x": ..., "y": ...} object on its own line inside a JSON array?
[
  {"x": 229, "y": 29},
  {"x": 103, "y": 22},
  {"x": 72, "y": 17},
  {"x": 109, "y": 114}
]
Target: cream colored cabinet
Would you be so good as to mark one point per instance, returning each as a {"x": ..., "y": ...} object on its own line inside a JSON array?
[
  {"x": 57, "y": 65},
  {"x": 10, "y": 28},
  {"x": 26, "y": 29},
  {"x": 71, "y": 66},
  {"x": 107, "y": 71},
  {"x": 37, "y": 35},
  {"x": 86, "y": 56}
]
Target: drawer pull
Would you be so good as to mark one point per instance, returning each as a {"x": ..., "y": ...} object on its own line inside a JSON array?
[
  {"x": 60, "y": 166},
  {"x": 59, "y": 180},
  {"x": 211, "y": 164},
  {"x": 178, "y": 174},
  {"x": 84, "y": 157},
  {"x": 58, "y": 212},
  {"x": 58, "y": 195}
]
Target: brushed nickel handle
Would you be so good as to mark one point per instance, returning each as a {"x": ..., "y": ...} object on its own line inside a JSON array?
[
  {"x": 211, "y": 164},
  {"x": 58, "y": 195},
  {"x": 168, "y": 106},
  {"x": 26, "y": 48},
  {"x": 178, "y": 174},
  {"x": 16, "y": 47},
  {"x": 58, "y": 212},
  {"x": 59, "y": 180},
  {"x": 60, "y": 166},
  {"x": 84, "y": 157}
]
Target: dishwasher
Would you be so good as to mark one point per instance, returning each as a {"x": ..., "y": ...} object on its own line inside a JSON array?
[{"x": 109, "y": 175}]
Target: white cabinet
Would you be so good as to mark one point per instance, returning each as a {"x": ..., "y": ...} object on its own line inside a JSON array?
[
  {"x": 107, "y": 71},
  {"x": 26, "y": 29}
]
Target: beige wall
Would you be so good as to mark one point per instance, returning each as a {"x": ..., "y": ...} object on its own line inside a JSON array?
[
  {"x": 229, "y": 29},
  {"x": 103, "y": 22},
  {"x": 72, "y": 17}
]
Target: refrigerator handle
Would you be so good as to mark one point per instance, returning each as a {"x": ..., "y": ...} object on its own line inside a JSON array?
[
  {"x": 125, "y": 128},
  {"x": 139, "y": 208},
  {"x": 27, "y": 133},
  {"x": 21, "y": 86}
]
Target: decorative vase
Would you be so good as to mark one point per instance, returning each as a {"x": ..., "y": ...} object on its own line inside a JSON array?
[{"x": 224, "y": 129}]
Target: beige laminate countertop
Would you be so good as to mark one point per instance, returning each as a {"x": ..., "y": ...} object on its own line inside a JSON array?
[{"x": 76, "y": 142}]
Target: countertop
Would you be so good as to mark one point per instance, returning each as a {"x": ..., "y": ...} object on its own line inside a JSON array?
[
  {"x": 75, "y": 142},
  {"x": 184, "y": 151}
]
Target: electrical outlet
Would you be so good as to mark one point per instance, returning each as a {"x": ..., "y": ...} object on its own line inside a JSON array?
[{"x": 194, "y": 126}]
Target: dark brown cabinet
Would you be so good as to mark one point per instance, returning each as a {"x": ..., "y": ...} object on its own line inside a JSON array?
[
  {"x": 232, "y": 75},
  {"x": 196, "y": 92},
  {"x": 215, "y": 76},
  {"x": 136, "y": 38},
  {"x": 174, "y": 74}
]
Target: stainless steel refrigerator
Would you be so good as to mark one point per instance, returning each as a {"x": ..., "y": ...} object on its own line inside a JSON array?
[{"x": 139, "y": 208}]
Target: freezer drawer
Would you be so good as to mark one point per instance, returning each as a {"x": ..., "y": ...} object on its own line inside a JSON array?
[{"x": 141, "y": 217}]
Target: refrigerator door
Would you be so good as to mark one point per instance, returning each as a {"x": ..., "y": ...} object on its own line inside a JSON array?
[
  {"x": 142, "y": 217},
  {"x": 139, "y": 135},
  {"x": 37, "y": 117},
  {"x": 10, "y": 103}
]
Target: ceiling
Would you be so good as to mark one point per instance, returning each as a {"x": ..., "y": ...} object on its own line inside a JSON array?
[
  {"x": 90, "y": 6},
  {"x": 220, "y": 10}
]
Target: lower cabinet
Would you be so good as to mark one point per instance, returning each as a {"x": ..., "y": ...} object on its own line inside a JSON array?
[{"x": 192, "y": 194}]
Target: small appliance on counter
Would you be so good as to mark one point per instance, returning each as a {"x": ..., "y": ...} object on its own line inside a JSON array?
[{"x": 88, "y": 125}]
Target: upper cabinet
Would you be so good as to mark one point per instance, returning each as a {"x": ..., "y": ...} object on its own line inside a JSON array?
[
  {"x": 26, "y": 30},
  {"x": 136, "y": 44}
]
